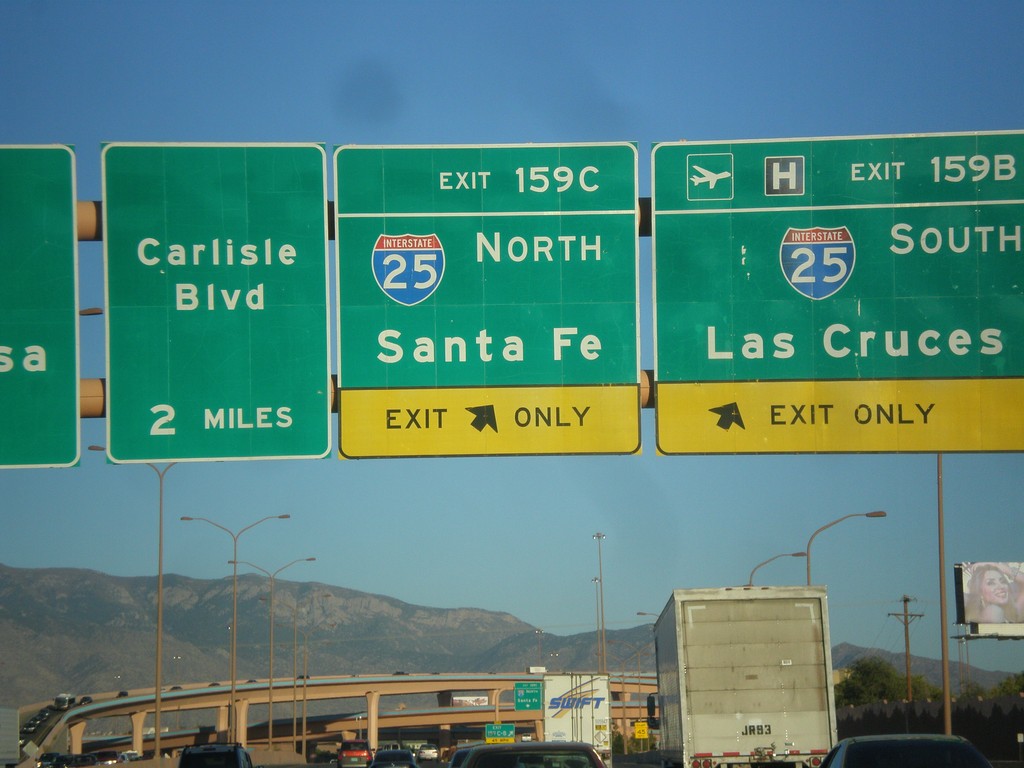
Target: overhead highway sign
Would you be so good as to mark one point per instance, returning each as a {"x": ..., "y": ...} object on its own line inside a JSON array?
[
  {"x": 840, "y": 294},
  {"x": 39, "y": 369},
  {"x": 488, "y": 300},
  {"x": 528, "y": 695},
  {"x": 217, "y": 301}
]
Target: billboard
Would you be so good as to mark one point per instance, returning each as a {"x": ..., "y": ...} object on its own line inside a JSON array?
[{"x": 990, "y": 598}]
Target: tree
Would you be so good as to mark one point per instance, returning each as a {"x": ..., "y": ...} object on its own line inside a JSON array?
[
  {"x": 871, "y": 679},
  {"x": 1011, "y": 686},
  {"x": 972, "y": 690},
  {"x": 923, "y": 690}
]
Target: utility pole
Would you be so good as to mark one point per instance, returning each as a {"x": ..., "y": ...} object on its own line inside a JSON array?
[{"x": 906, "y": 617}]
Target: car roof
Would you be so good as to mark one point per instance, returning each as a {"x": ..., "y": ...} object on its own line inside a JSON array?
[
  {"x": 905, "y": 737},
  {"x": 537, "y": 746},
  {"x": 212, "y": 747}
]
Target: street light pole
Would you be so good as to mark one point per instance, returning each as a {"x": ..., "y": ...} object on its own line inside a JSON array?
[
  {"x": 295, "y": 668},
  {"x": 602, "y": 642},
  {"x": 158, "y": 672},
  {"x": 305, "y": 679},
  {"x": 232, "y": 725},
  {"x": 750, "y": 581},
  {"x": 270, "y": 682},
  {"x": 637, "y": 651},
  {"x": 876, "y": 513}
]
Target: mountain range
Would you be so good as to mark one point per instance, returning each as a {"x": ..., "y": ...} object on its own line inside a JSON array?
[{"x": 82, "y": 631}]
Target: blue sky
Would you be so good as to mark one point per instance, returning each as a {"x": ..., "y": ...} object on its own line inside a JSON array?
[{"x": 515, "y": 535}]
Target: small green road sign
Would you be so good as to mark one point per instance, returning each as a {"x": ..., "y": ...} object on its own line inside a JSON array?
[
  {"x": 528, "y": 695},
  {"x": 858, "y": 294},
  {"x": 499, "y": 733},
  {"x": 217, "y": 301},
  {"x": 488, "y": 300},
  {"x": 39, "y": 373}
]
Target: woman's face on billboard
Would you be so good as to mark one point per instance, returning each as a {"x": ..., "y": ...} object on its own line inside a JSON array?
[{"x": 993, "y": 587}]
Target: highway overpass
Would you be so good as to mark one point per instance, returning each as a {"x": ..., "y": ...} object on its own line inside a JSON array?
[{"x": 359, "y": 700}]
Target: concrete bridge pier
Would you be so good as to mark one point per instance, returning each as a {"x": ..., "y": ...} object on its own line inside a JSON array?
[
  {"x": 138, "y": 722},
  {"x": 242, "y": 721},
  {"x": 75, "y": 733},
  {"x": 222, "y": 719},
  {"x": 372, "y": 717}
]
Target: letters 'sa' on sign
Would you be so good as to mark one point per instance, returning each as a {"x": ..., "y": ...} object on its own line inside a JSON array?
[
  {"x": 840, "y": 295},
  {"x": 488, "y": 300},
  {"x": 39, "y": 424},
  {"x": 217, "y": 301}
]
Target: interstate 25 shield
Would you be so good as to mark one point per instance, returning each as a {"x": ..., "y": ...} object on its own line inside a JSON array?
[
  {"x": 817, "y": 261},
  {"x": 408, "y": 268}
]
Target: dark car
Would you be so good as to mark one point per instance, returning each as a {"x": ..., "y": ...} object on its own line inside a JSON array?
[
  {"x": 46, "y": 759},
  {"x": 354, "y": 753},
  {"x": 459, "y": 755},
  {"x": 398, "y": 758},
  {"x": 215, "y": 756},
  {"x": 905, "y": 751},
  {"x": 106, "y": 756},
  {"x": 534, "y": 754},
  {"x": 75, "y": 761}
]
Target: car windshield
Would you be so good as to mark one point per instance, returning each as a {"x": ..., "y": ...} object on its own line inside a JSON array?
[
  {"x": 533, "y": 759},
  {"x": 222, "y": 759},
  {"x": 913, "y": 754},
  {"x": 393, "y": 757}
]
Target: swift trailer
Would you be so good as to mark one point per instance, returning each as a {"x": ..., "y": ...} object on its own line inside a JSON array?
[
  {"x": 577, "y": 709},
  {"x": 745, "y": 678}
]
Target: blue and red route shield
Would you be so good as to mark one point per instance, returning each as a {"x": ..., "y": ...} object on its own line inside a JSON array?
[
  {"x": 408, "y": 268},
  {"x": 817, "y": 261}
]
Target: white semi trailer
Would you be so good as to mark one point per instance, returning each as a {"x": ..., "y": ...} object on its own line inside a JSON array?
[
  {"x": 745, "y": 677},
  {"x": 577, "y": 708}
]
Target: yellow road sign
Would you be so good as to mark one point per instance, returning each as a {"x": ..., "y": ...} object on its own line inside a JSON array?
[
  {"x": 841, "y": 416},
  {"x": 477, "y": 421}
]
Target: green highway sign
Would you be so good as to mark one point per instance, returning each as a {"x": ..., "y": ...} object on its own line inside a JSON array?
[
  {"x": 217, "y": 301},
  {"x": 840, "y": 294},
  {"x": 528, "y": 695},
  {"x": 488, "y": 300},
  {"x": 39, "y": 374},
  {"x": 499, "y": 733}
]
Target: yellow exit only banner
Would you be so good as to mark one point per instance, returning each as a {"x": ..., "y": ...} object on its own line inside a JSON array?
[
  {"x": 478, "y": 421},
  {"x": 884, "y": 416}
]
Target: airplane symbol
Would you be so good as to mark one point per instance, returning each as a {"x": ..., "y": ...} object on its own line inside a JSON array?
[{"x": 709, "y": 177}]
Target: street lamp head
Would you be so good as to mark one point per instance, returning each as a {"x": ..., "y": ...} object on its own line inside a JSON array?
[
  {"x": 283, "y": 517},
  {"x": 807, "y": 551},
  {"x": 186, "y": 519}
]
